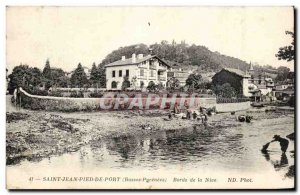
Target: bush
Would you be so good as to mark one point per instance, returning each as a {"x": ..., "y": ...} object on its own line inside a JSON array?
[
  {"x": 77, "y": 95},
  {"x": 56, "y": 94},
  {"x": 36, "y": 91},
  {"x": 96, "y": 94}
]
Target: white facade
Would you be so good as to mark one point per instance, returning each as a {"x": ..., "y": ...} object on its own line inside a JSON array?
[
  {"x": 139, "y": 70},
  {"x": 245, "y": 84}
]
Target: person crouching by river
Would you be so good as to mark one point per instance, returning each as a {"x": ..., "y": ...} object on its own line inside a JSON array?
[{"x": 284, "y": 143}]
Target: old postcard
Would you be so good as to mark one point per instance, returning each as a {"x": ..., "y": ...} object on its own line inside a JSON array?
[{"x": 150, "y": 97}]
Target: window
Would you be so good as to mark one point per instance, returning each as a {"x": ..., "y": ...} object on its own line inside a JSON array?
[
  {"x": 142, "y": 72},
  {"x": 127, "y": 73},
  {"x": 170, "y": 74},
  {"x": 113, "y": 73},
  {"x": 120, "y": 73},
  {"x": 151, "y": 62},
  {"x": 151, "y": 73},
  {"x": 114, "y": 84}
]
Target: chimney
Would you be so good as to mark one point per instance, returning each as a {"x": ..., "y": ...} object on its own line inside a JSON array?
[
  {"x": 150, "y": 51},
  {"x": 133, "y": 58},
  {"x": 140, "y": 56},
  {"x": 123, "y": 58}
]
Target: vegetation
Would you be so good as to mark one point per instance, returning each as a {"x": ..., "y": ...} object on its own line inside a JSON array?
[
  {"x": 225, "y": 91},
  {"x": 176, "y": 54},
  {"x": 24, "y": 76},
  {"x": 287, "y": 52},
  {"x": 79, "y": 78},
  {"x": 152, "y": 87},
  {"x": 97, "y": 78},
  {"x": 194, "y": 81},
  {"x": 182, "y": 54},
  {"x": 173, "y": 84}
]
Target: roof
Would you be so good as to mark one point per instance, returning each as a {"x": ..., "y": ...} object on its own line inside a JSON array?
[
  {"x": 237, "y": 72},
  {"x": 128, "y": 61},
  {"x": 261, "y": 86}
]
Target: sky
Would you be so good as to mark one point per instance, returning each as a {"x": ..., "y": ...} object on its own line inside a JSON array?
[{"x": 69, "y": 35}]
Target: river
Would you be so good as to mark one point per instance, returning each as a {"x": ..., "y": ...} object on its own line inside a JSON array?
[{"x": 216, "y": 149}]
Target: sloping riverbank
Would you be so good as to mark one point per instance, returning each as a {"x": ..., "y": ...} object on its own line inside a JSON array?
[{"x": 34, "y": 135}]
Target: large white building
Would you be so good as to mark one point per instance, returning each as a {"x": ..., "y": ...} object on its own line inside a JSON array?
[{"x": 139, "y": 70}]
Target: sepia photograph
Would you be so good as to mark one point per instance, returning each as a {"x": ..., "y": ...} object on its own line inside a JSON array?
[{"x": 150, "y": 97}]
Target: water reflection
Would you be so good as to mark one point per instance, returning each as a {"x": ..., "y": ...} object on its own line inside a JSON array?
[
  {"x": 216, "y": 148},
  {"x": 277, "y": 164},
  {"x": 162, "y": 148},
  {"x": 280, "y": 164}
]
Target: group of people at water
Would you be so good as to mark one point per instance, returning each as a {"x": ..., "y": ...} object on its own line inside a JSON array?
[{"x": 202, "y": 114}]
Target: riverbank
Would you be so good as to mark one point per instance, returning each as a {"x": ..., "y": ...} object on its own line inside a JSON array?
[{"x": 34, "y": 135}]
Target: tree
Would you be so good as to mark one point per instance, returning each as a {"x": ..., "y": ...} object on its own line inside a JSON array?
[
  {"x": 283, "y": 73},
  {"x": 151, "y": 86},
  {"x": 78, "y": 77},
  {"x": 95, "y": 75},
  {"x": 58, "y": 78},
  {"x": 63, "y": 81},
  {"x": 173, "y": 84},
  {"x": 194, "y": 81},
  {"x": 225, "y": 91},
  {"x": 287, "y": 52},
  {"x": 47, "y": 70},
  {"x": 24, "y": 76},
  {"x": 102, "y": 75},
  {"x": 181, "y": 54}
]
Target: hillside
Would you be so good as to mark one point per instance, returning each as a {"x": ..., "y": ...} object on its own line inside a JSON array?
[{"x": 181, "y": 55}]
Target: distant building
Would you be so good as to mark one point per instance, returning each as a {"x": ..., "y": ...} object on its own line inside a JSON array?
[
  {"x": 238, "y": 79},
  {"x": 284, "y": 90},
  {"x": 180, "y": 74},
  {"x": 260, "y": 84},
  {"x": 86, "y": 70},
  {"x": 139, "y": 69}
]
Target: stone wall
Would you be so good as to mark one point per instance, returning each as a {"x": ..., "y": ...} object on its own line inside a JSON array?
[
  {"x": 68, "y": 104},
  {"x": 232, "y": 107}
]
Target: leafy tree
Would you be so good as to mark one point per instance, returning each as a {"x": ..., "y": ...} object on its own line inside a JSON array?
[
  {"x": 78, "y": 77},
  {"x": 173, "y": 84},
  {"x": 58, "y": 78},
  {"x": 283, "y": 73},
  {"x": 194, "y": 81},
  {"x": 287, "y": 52},
  {"x": 225, "y": 91},
  {"x": 181, "y": 54},
  {"x": 24, "y": 76},
  {"x": 63, "y": 81},
  {"x": 151, "y": 86}
]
